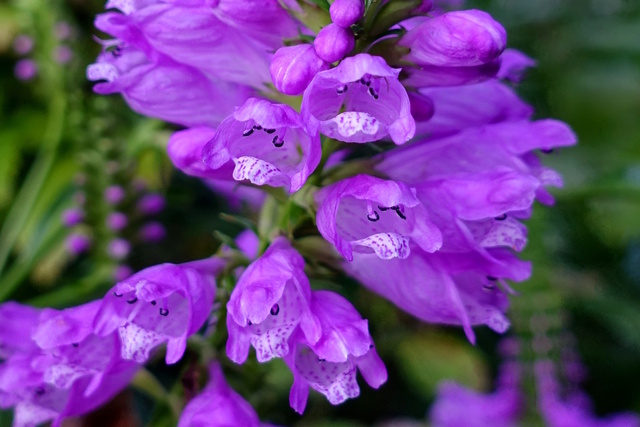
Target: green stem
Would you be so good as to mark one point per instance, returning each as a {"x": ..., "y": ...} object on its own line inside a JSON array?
[{"x": 148, "y": 384}]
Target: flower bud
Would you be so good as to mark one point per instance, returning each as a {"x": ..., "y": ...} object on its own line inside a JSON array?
[
  {"x": 421, "y": 106},
  {"x": 117, "y": 221},
  {"x": 26, "y": 69},
  {"x": 23, "y": 44},
  {"x": 456, "y": 39},
  {"x": 152, "y": 232},
  {"x": 293, "y": 67},
  {"x": 345, "y": 13},
  {"x": 114, "y": 194},
  {"x": 78, "y": 243},
  {"x": 118, "y": 248},
  {"x": 151, "y": 204},
  {"x": 72, "y": 216},
  {"x": 334, "y": 42}
]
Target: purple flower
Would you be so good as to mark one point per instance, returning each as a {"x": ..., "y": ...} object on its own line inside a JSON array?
[
  {"x": 453, "y": 289},
  {"x": 26, "y": 69},
  {"x": 117, "y": 221},
  {"x": 151, "y": 204},
  {"x": 271, "y": 299},
  {"x": 360, "y": 100},
  {"x": 367, "y": 214},
  {"x": 114, "y": 194},
  {"x": 72, "y": 216},
  {"x": 23, "y": 44},
  {"x": 513, "y": 65},
  {"x": 163, "y": 303},
  {"x": 333, "y": 42},
  {"x": 456, "y": 108},
  {"x": 268, "y": 144},
  {"x": 15, "y": 336},
  {"x": 457, "y": 406},
  {"x": 152, "y": 232},
  {"x": 218, "y": 405},
  {"x": 293, "y": 67},
  {"x": 456, "y": 39},
  {"x": 345, "y": 13},
  {"x": 165, "y": 89},
  {"x": 78, "y": 243},
  {"x": 330, "y": 364},
  {"x": 118, "y": 248},
  {"x": 68, "y": 371}
]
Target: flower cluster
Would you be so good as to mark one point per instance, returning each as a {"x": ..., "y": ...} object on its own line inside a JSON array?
[{"x": 432, "y": 222}]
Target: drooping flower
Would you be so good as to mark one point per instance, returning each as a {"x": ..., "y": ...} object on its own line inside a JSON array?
[
  {"x": 268, "y": 144},
  {"x": 163, "y": 303},
  {"x": 457, "y": 406},
  {"x": 330, "y": 364},
  {"x": 271, "y": 299},
  {"x": 360, "y": 100},
  {"x": 452, "y": 289},
  {"x": 368, "y": 214},
  {"x": 293, "y": 67},
  {"x": 218, "y": 405},
  {"x": 457, "y": 108},
  {"x": 65, "y": 371}
]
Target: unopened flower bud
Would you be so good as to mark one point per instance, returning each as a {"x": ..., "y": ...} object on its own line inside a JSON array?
[
  {"x": 345, "y": 13},
  {"x": 293, "y": 67},
  {"x": 22, "y": 44},
  {"x": 117, "y": 221},
  {"x": 334, "y": 42},
  {"x": 421, "y": 106},
  {"x": 118, "y": 248},
  {"x": 63, "y": 54},
  {"x": 26, "y": 69},
  {"x": 151, "y": 204},
  {"x": 72, "y": 216},
  {"x": 78, "y": 243},
  {"x": 152, "y": 232},
  {"x": 114, "y": 194}
]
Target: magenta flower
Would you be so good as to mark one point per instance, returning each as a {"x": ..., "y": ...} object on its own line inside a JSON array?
[
  {"x": 360, "y": 100},
  {"x": 457, "y": 406},
  {"x": 453, "y": 289},
  {"x": 164, "y": 89},
  {"x": 345, "y": 13},
  {"x": 15, "y": 337},
  {"x": 293, "y": 67},
  {"x": 329, "y": 365},
  {"x": 67, "y": 371},
  {"x": 513, "y": 65},
  {"x": 185, "y": 151},
  {"x": 271, "y": 299},
  {"x": 456, "y": 108},
  {"x": 268, "y": 144},
  {"x": 72, "y": 216},
  {"x": 367, "y": 214},
  {"x": 333, "y": 42},
  {"x": 456, "y": 39},
  {"x": 163, "y": 303},
  {"x": 218, "y": 405}
]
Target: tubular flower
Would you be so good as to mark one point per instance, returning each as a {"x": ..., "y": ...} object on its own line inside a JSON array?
[
  {"x": 329, "y": 365},
  {"x": 368, "y": 214},
  {"x": 164, "y": 303},
  {"x": 218, "y": 405},
  {"x": 66, "y": 370},
  {"x": 271, "y": 299},
  {"x": 165, "y": 89},
  {"x": 268, "y": 144},
  {"x": 360, "y": 100}
]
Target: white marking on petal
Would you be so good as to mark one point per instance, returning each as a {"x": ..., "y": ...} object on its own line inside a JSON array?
[
  {"x": 102, "y": 71},
  {"x": 509, "y": 232},
  {"x": 273, "y": 342},
  {"x": 63, "y": 376},
  {"x": 258, "y": 172},
  {"x": 352, "y": 124},
  {"x": 138, "y": 342},
  {"x": 386, "y": 245}
]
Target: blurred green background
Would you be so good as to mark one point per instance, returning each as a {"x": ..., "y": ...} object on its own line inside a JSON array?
[{"x": 57, "y": 139}]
